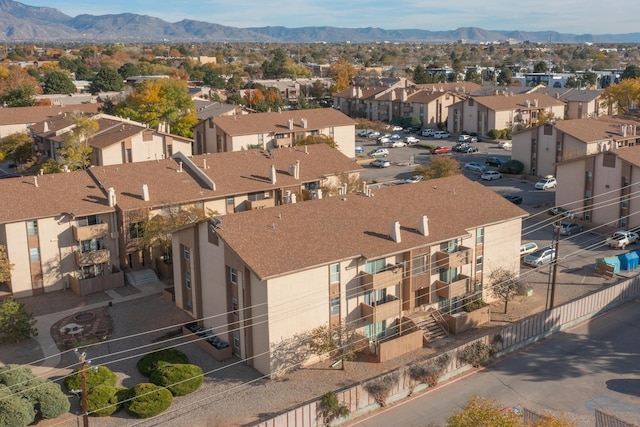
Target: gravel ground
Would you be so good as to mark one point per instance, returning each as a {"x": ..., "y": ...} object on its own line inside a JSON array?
[{"x": 233, "y": 394}]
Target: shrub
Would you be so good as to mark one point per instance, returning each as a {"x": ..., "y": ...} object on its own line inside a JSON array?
[
  {"x": 512, "y": 166},
  {"x": 14, "y": 410},
  {"x": 494, "y": 134},
  {"x": 151, "y": 361},
  {"x": 46, "y": 397},
  {"x": 473, "y": 304},
  {"x": 507, "y": 133},
  {"x": 379, "y": 389},
  {"x": 429, "y": 372},
  {"x": 475, "y": 354},
  {"x": 12, "y": 375},
  {"x": 331, "y": 408},
  {"x": 105, "y": 400},
  {"x": 16, "y": 324},
  {"x": 179, "y": 379},
  {"x": 147, "y": 400},
  {"x": 101, "y": 376}
]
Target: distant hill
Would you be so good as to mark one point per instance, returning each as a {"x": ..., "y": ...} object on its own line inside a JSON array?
[{"x": 21, "y": 22}]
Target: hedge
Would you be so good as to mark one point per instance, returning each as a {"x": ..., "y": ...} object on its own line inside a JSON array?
[
  {"x": 147, "y": 400},
  {"x": 105, "y": 400},
  {"x": 179, "y": 379},
  {"x": 151, "y": 361}
]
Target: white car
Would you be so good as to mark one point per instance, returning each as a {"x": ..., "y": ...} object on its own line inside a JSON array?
[
  {"x": 546, "y": 183},
  {"x": 411, "y": 140},
  {"x": 467, "y": 138},
  {"x": 380, "y": 163},
  {"x": 505, "y": 145},
  {"x": 475, "y": 167},
  {"x": 622, "y": 238},
  {"x": 413, "y": 180},
  {"x": 441, "y": 134},
  {"x": 491, "y": 175},
  {"x": 427, "y": 132},
  {"x": 398, "y": 144}
]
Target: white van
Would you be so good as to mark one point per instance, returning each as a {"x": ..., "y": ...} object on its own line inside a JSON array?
[{"x": 427, "y": 132}]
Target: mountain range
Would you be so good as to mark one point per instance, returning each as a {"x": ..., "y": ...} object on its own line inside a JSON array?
[{"x": 20, "y": 22}]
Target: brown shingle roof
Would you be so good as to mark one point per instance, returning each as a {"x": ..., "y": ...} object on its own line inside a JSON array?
[
  {"x": 290, "y": 238},
  {"x": 459, "y": 87},
  {"x": 597, "y": 129},
  {"x": 630, "y": 155},
  {"x": 249, "y": 124},
  {"x": 56, "y": 193},
  {"x": 512, "y": 102},
  {"x": 238, "y": 172},
  {"x": 28, "y": 115}
]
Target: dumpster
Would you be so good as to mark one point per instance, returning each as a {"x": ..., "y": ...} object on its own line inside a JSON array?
[
  {"x": 613, "y": 261},
  {"x": 628, "y": 261}
]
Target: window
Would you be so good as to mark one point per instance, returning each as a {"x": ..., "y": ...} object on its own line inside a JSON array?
[
  {"x": 169, "y": 150},
  {"x": 233, "y": 275},
  {"x": 375, "y": 266},
  {"x": 479, "y": 264},
  {"x": 170, "y": 210},
  {"x": 471, "y": 102},
  {"x": 236, "y": 339},
  {"x": 254, "y": 197},
  {"x": 32, "y": 228},
  {"x": 548, "y": 129},
  {"x": 374, "y": 331},
  {"x": 87, "y": 220},
  {"x": 261, "y": 138},
  {"x": 623, "y": 222},
  {"x": 89, "y": 271},
  {"x": 449, "y": 247},
  {"x": 187, "y": 253},
  {"x": 89, "y": 245},
  {"x": 625, "y": 181},
  {"x": 234, "y": 306},
  {"x": 334, "y": 273},
  {"x": 588, "y": 176},
  {"x": 420, "y": 265},
  {"x": 375, "y": 297},
  {"x": 624, "y": 202},
  {"x": 136, "y": 230},
  {"x": 335, "y": 306},
  {"x": 480, "y": 235},
  {"x": 187, "y": 279},
  {"x": 34, "y": 254},
  {"x": 230, "y": 201},
  {"x": 448, "y": 275},
  {"x": 331, "y": 130}
]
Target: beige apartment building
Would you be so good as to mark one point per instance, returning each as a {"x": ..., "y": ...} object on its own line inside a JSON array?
[
  {"x": 263, "y": 279},
  {"x": 267, "y": 131}
]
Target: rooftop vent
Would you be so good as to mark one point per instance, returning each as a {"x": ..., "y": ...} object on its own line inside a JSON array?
[
  {"x": 145, "y": 192},
  {"x": 423, "y": 226},
  {"x": 395, "y": 232}
]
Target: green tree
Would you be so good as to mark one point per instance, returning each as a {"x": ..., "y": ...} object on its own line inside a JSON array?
[
  {"x": 57, "y": 81},
  {"x": 318, "y": 91},
  {"x": 504, "y": 285},
  {"x": 540, "y": 67},
  {"x": 439, "y": 167},
  {"x": 17, "y": 147},
  {"x": 22, "y": 96},
  {"x": 128, "y": 70},
  {"x": 275, "y": 68},
  {"x": 420, "y": 76},
  {"x": 213, "y": 78},
  {"x": 505, "y": 76},
  {"x": 471, "y": 75},
  {"x": 480, "y": 412},
  {"x": 106, "y": 80},
  {"x": 631, "y": 71},
  {"x": 16, "y": 324}
]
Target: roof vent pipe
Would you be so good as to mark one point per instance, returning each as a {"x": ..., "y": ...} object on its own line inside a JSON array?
[
  {"x": 180, "y": 168},
  {"x": 273, "y": 174},
  {"x": 35, "y": 180},
  {"x": 145, "y": 192},
  {"x": 111, "y": 195},
  {"x": 395, "y": 232},
  {"x": 423, "y": 226}
]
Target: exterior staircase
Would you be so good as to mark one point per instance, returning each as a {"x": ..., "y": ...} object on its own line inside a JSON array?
[
  {"x": 431, "y": 323},
  {"x": 140, "y": 277}
]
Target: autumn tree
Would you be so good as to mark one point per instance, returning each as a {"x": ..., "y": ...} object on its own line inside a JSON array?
[
  {"x": 75, "y": 151},
  {"x": 252, "y": 97},
  {"x": 5, "y": 265},
  {"x": 17, "y": 87},
  {"x": 439, "y": 167},
  {"x": 479, "y": 412},
  {"x": 342, "y": 73},
  {"x": 157, "y": 101},
  {"x": 505, "y": 285},
  {"x": 317, "y": 139},
  {"x": 624, "y": 95},
  {"x": 106, "y": 80},
  {"x": 17, "y": 147},
  {"x": 58, "y": 81}
]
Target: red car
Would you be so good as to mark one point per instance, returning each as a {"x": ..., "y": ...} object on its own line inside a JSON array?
[{"x": 441, "y": 150}]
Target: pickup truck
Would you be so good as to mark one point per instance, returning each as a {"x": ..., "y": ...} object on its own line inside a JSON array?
[{"x": 620, "y": 239}]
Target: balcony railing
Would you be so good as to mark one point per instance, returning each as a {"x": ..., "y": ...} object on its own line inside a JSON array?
[
  {"x": 259, "y": 204},
  {"x": 89, "y": 232},
  {"x": 379, "y": 312},
  {"x": 460, "y": 287},
  {"x": 92, "y": 257},
  {"x": 455, "y": 259},
  {"x": 382, "y": 280}
]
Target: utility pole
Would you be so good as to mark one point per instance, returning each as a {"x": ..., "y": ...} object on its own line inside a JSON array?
[
  {"x": 83, "y": 378},
  {"x": 555, "y": 266}
]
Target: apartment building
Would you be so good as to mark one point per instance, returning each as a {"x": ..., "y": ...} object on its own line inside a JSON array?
[
  {"x": 542, "y": 148},
  {"x": 263, "y": 279},
  {"x": 60, "y": 232},
  {"x": 18, "y": 119},
  {"x": 116, "y": 141},
  {"x": 267, "y": 131}
]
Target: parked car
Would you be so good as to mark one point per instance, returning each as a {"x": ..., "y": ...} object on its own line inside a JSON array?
[
  {"x": 559, "y": 210},
  {"x": 394, "y": 128},
  {"x": 414, "y": 179},
  {"x": 441, "y": 134},
  {"x": 380, "y": 163},
  {"x": 514, "y": 198},
  {"x": 440, "y": 150},
  {"x": 373, "y": 134},
  {"x": 505, "y": 145},
  {"x": 467, "y": 138},
  {"x": 621, "y": 238},
  {"x": 411, "y": 140},
  {"x": 363, "y": 133},
  {"x": 359, "y": 149},
  {"x": 379, "y": 152},
  {"x": 460, "y": 146},
  {"x": 490, "y": 175},
  {"x": 547, "y": 182},
  {"x": 528, "y": 248},
  {"x": 384, "y": 140},
  {"x": 540, "y": 257},
  {"x": 494, "y": 161},
  {"x": 412, "y": 129},
  {"x": 569, "y": 228},
  {"x": 474, "y": 167},
  {"x": 427, "y": 132},
  {"x": 469, "y": 149}
]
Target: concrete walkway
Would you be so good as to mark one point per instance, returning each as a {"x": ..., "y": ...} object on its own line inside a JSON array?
[{"x": 51, "y": 353}]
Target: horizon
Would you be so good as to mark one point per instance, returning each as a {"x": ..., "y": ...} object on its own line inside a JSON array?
[{"x": 532, "y": 17}]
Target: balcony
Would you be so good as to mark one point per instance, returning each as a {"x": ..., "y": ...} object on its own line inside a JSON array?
[
  {"x": 382, "y": 280},
  {"x": 89, "y": 232},
  {"x": 259, "y": 204},
  {"x": 92, "y": 257},
  {"x": 454, "y": 289},
  {"x": 447, "y": 260},
  {"x": 379, "y": 312}
]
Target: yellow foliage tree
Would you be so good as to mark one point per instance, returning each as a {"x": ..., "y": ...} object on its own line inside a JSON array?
[
  {"x": 439, "y": 167},
  {"x": 624, "y": 95},
  {"x": 342, "y": 72}
]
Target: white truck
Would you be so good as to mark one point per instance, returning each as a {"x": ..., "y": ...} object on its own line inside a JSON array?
[{"x": 621, "y": 238}]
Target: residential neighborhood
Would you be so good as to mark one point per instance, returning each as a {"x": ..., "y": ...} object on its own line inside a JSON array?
[{"x": 348, "y": 223}]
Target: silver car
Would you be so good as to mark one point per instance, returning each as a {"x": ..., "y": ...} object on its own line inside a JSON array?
[{"x": 540, "y": 257}]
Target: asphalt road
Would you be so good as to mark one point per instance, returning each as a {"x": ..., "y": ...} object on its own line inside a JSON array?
[{"x": 594, "y": 365}]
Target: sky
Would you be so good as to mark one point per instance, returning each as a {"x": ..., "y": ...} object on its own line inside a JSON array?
[{"x": 566, "y": 16}]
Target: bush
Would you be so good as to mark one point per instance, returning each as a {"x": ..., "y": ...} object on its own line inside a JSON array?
[
  {"x": 151, "y": 361},
  {"x": 473, "y": 304},
  {"x": 507, "y": 133},
  {"x": 105, "y": 400},
  {"x": 14, "y": 410},
  {"x": 102, "y": 376},
  {"x": 15, "y": 323},
  {"x": 147, "y": 400},
  {"x": 12, "y": 375},
  {"x": 379, "y": 389},
  {"x": 331, "y": 408},
  {"x": 430, "y": 372},
  {"x": 475, "y": 354},
  {"x": 512, "y": 167},
  {"x": 179, "y": 379},
  {"x": 46, "y": 397},
  {"x": 494, "y": 134}
]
